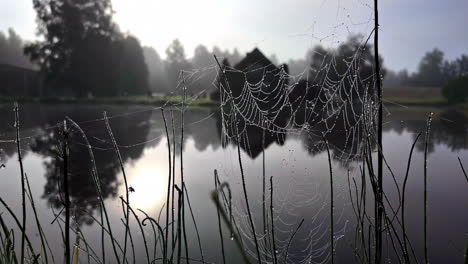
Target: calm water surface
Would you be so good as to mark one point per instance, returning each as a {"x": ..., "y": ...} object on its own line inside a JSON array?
[{"x": 297, "y": 163}]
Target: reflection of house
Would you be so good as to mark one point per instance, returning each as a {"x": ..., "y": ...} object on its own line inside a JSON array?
[
  {"x": 17, "y": 81},
  {"x": 255, "y": 67},
  {"x": 255, "y": 81}
]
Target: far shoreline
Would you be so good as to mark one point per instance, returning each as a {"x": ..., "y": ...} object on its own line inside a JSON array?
[{"x": 132, "y": 100}]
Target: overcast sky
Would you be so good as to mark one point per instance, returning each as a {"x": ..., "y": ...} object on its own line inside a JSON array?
[{"x": 286, "y": 28}]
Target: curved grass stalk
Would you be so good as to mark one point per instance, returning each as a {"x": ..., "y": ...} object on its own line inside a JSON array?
[
  {"x": 195, "y": 224},
  {"x": 161, "y": 232},
  {"x": 94, "y": 175},
  {"x": 43, "y": 238},
  {"x": 463, "y": 169},
  {"x": 132, "y": 245},
  {"x": 154, "y": 233},
  {"x": 169, "y": 180},
  {"x": 405, "y": 251},
  {"x": 119, "y": 156},
  {"x": 141, "y": 228},
  {"x": 332, "y": 232},
  {"x": 290, "y": 240},
  {"x": 219, "y": 207},
  {"x": 12, "y": 214},
  {"x": 219, "y": 221}
]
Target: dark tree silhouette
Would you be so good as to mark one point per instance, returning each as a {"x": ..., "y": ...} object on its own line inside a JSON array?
[
  {"x": 331, "y": 70},
  {"x": 156, "y": 69},
  {"x": 201, "y": 60},
  {"x": 63, "y": 25},
  {"x": 134, "y": 72},
  {"x": 83, "y": 52},
  {"x": 434, "y": 71},
  {"x": 430, "y": 69},
  {"x": 353, "y": 50},
  {"x": 175, "y": 63},
  {"x": 456, "y": 90}
]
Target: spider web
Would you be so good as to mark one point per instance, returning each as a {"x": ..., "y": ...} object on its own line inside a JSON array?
[{"x": 323, "y": 104}]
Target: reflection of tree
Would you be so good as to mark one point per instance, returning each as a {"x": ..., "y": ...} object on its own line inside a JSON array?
[
  {"x": 127, "y": 130},
  {"x": 204, "y": 133},
  {"x": 449, "y": 130},
  {"x": 199, "y": 126},
  {"x": 202, "y": 126},
  {"x": 345, "y": 143}
]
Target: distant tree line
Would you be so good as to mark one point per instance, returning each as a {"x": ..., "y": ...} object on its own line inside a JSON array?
[
  {"x": 164, "y": 74},
  {"x": 433, "y": 71},
  {"x": 82, "y": 52},
  {"x": 11, "y": 50},
  {"x": 325, "y": 68},
  {"x": 105, "y": 66}
]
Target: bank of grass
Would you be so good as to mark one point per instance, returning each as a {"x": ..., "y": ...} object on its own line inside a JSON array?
[
  {"x": 420, "y": 101},
  {"x": 463, "y": 108},
  {"x": 414, "y": 96},
  {"x": 145, "y": 100},
  {"x": 161, "y": 100}
]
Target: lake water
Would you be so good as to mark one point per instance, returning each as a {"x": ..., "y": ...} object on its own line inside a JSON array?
[{"x": 297, "y": 162}]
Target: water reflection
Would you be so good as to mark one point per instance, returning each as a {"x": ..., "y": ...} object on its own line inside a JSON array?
[
  {"x": 144, "y": 130},
  {"x": 42, "y": 135},
  {"x": 147, "y": 181},
  {"x": 345, "y": 141},
  {"x": 449, "y": 128},
  {"x": 82, "y": 190}
]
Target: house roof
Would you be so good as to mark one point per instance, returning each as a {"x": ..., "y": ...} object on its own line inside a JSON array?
[{"x": 253, "y": 60}]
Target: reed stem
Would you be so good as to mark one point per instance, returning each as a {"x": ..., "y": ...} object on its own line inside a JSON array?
[
  {"x": 173, "y": 174},
  {"x": 244, "y": 188},
  {"x": 426, "y": 141},
  {"x": 378, "y": 80},
  {"x": 236, "y": 238},
  {"x": 405, "y": 244},
  {"x": 97, "y": 184},
  {"x": 168, "y": 182},
  {"x": 194, "y": 224},
  {"x": 184, "y": 229},
  {"x": 127, "y": 196},
  {"x": 332, "y": 232},
  {"x": 23, "y": 193},
  {"x": 66, "y": 192},
  {"x": 290, "y": 240},
  {"x": 463, "y": 169},
  {"x": 273, "y": 242},
  {"x": 219, "y": 220}
]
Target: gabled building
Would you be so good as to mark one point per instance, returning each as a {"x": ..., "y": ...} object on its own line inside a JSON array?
[
  {"x": 258, "y": 88},
  {"x": 253, "y": 69}
]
